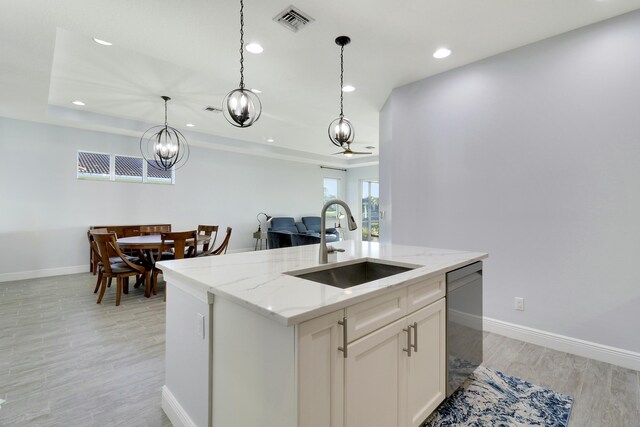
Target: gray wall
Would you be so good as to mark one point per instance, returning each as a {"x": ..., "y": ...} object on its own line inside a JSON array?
[
  {"x": 534, "y": 157},
  {"x": 45, "y": 210}
]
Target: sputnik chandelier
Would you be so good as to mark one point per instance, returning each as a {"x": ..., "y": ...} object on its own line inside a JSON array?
[{"x": 241, "y": 106}]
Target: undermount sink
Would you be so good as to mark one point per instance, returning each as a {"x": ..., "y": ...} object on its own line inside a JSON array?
[{"x": 347, "y": 276}]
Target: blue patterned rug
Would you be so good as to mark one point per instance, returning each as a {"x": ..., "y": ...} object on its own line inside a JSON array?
[{"x": 491, "y": 398}]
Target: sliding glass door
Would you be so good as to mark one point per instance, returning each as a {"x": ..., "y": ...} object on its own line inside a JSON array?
[{"x": 370, "y": 211}]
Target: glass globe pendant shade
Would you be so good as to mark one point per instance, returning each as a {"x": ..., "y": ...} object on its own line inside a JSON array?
[
  {"x": 242, "y": 107},
  {"x": 341, "y": 132}
]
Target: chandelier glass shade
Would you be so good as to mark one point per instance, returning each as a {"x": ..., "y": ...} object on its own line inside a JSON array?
[
  {"x": 341, "y": 131},
  {"x": 241, "y": 107},
  {"x": 164, "y": 147}
]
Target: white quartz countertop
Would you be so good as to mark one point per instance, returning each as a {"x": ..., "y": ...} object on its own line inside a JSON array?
[{"x": 256, "y": 281}]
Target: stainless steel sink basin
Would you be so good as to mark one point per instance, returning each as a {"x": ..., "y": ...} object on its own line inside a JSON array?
[{"x": 347, "y": 276}]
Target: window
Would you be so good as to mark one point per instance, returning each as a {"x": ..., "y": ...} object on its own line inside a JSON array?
[
  {"x": 111, "y": 167},
  {"x": 94, "y": 166},
  {"x": 331, "y": 186},
  {"x": 370, "y": 211},
  {"x": 159, "y": 176},
  {"x": 128, "y": 169}
]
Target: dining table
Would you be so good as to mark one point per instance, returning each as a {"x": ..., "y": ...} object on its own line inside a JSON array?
[{"x": 147, "y": 246}]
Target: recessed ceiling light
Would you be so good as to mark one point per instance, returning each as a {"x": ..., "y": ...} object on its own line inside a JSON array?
[
  {"x": 79, "y": 103},
  {"x": 348, "y": 88},
  {"x": 443, "y": 52},
  {"x": 270, "y": 140},
  {"x": 190, "y": 125},
  {"x": 254, "y": 48},
  {"x": 102, "y": 42},
  {"x": 254, "y": 90}
]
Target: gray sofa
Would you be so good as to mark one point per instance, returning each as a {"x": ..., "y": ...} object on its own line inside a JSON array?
[{"x": 286, "y": 232}]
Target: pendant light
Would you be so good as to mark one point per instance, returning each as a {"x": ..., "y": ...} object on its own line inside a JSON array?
[
  {"x": 164, "y": 147},
  {"x": 341, "y": 130},
  {"x": 242, "y": 107}
]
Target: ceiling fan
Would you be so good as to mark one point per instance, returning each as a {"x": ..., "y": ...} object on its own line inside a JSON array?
[{"x": 347, "y": 152}]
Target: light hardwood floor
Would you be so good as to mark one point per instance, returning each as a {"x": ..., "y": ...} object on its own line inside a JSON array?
[{"x": 66, "y": 361}]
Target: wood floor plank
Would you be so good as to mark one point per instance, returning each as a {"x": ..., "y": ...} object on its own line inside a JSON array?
[
  {"x": 623, "y": 405},
  {"x": 594, "y": 397}
]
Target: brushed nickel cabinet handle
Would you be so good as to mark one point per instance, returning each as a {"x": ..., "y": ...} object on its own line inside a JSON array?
[
  {"x": 415, "y": 336},
  {"x": 408, "y": 349},
  {"x": 343, "y": 349}
]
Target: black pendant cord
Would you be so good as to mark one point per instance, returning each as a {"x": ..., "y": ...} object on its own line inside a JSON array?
[
  {"x": 241, "y": 44},
  {"x": 341, "y": 80}
]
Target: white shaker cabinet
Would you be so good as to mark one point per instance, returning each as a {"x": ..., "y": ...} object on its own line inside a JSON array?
[
  {"x": 392, "y": 376},
  {"x": 321, "y": 372},
  {"x": 426, "y": 368}
]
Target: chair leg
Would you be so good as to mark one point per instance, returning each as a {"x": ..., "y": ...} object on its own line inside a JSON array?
[
  {"x": 147, "y": 283},
  {"x": 95, "y": 291},
  {"x": 155, "y": 281},
  {"x": 125, "y": 285},
  {"x": 102, "y": 289},
  {"x": 138, "y": 281},
  {"x": 109, "y": 285},
  {"x": 118, "y": 290}
]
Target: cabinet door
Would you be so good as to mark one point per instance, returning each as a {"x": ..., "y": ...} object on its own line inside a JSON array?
[
  {"x": 374, "y": 378},
  {"x": 321, "y": 372},
  {"x": 426, "y": 368}
]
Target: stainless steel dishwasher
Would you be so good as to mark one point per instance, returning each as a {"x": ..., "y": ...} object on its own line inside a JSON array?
[{"x": 464, "y": 324}]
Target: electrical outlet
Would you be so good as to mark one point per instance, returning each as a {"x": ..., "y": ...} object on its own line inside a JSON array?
[
  {"x": 518, "y": 304},
  {"x": 200, "y": 325}
]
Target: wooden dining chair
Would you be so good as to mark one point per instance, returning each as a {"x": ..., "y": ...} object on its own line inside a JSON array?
[
  {"x": 95, "y": 258},
  {"x": 180, "y": 245},
  {"x": 222, "y": 249},
  {"x": 121, "y": 270},
  {"x": 212, "y": 232}
]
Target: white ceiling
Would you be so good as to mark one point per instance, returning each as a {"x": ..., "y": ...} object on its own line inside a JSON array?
[{"x": 188, "y": 49}]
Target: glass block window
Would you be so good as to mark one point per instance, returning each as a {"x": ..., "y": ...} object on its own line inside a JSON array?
[
  {"x": 94, "y": 165},
  {"x": 128, "y": 169},
  {"x": 158, "y": 176}
]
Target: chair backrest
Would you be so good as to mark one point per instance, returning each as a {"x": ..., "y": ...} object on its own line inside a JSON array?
[
  {"x": 106, "y": 244},
  {"x": 146, "y": 230},
  {"x": 94, "y": 246},
  {"x": 222, "y": 249},
  {"x": 180, "y": 243},
  {"x": 211, "y": 231}
]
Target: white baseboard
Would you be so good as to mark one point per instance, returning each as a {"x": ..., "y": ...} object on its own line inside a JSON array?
[
  {"x": 174, "y": 411},
  {"x": 47, "y": 272},
  {"x": 604, "y": 353}
]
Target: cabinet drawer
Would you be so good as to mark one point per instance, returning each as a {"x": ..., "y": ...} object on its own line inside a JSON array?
[
  {"x": 424, "y": 293},
  {"x": 375, "y": 313}
]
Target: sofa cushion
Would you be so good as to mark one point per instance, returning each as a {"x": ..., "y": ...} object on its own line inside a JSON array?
[
  {"x": 283, "y": 224},
  {"x": 301, "y": 228},
  {"x": 312, "y": 223}
]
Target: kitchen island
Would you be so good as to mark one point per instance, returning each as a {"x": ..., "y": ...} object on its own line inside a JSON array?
[{"x": 249, "y": 343}]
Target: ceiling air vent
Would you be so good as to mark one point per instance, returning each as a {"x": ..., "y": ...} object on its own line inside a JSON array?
[
  {"x": 293, "y": 19},
  {"x": 212, "y": 109}
]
